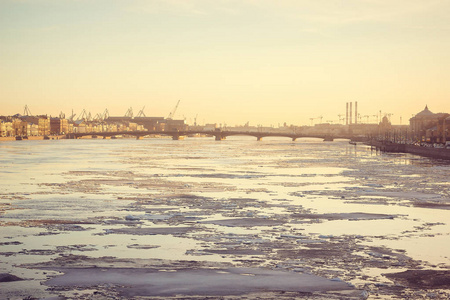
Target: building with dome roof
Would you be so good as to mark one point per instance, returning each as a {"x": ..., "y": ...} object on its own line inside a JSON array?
[{"x": 427, "y": 126}]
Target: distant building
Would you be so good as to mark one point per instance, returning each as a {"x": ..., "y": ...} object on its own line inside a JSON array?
[
  {"x": 81, "y": 126},
  {"x": 210, "y": 127},
  {"x": 430, "y": 127},
  {"x": 19, "y": 127},
  {"x": 118, "y": 119},
  {"x": 150, "y": 123},
  {"x": 385, "y": 125},
  {"x": 171, "y": 125},
  {"x": 59, "y": 126},
  {"x": 42, "y": 122},
  {"x": 6, "y": 128},
  {"x": 32, "y": 129}
]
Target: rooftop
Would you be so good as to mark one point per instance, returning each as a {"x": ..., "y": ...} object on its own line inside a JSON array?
[{"x": 425, "y": 113}]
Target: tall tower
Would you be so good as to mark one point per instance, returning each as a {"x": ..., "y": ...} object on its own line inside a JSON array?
[
  {"x": 346, "y": 113},
  {"x": 356, "y": 112},
  {"x": 350, "y": 114}
]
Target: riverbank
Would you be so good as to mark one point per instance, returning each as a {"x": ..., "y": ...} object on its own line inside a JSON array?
[
  {"x": 33, "y": 138},
  {"x": 439, "y": 153}
]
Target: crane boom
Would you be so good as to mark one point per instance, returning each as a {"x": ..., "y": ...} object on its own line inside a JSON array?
[
  {"x": 26, "y": 111},
  {"x": 129, "y": 113},
  {"x": 141, "y": 113},
  {"x": 172, "y": 113}
]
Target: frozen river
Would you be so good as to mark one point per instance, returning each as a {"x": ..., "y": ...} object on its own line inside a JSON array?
[{"x": 326, "y": 214}]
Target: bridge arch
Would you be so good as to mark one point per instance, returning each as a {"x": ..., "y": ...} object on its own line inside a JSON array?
[{"x": 218, "y": 134}]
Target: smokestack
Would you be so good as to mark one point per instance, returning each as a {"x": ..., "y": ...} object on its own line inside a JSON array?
[
  {"x": 346, "y": 114},
  {"x": 356, "y": 112},
  {"x": 350, "y": 114}
]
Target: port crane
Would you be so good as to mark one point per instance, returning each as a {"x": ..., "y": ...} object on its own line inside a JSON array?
[
  {"x": 105, "y": 114},
  {"x": 195, "y": 120},
  {"x": 129, "y": 113},
  {"x": 172, "y": 113},
  {"x": 141, "y": 113},
  {"x": 85, "y": 116},
  {"x": 319, "y": 117},
  {"x": 72, "y": 116},
  {"x": 98, "y": 118},
  {"x": 26, "y": 111},
  {"x": 101, "y": 117}
]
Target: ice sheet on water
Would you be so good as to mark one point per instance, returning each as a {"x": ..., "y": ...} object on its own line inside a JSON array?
[{"x": 249, "y": 197}]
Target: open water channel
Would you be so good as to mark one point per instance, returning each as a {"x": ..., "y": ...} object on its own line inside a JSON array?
[{"x": 124, "y": 218}]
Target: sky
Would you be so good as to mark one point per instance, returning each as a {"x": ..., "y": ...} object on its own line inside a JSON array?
[{"x": 228, "y": 62}]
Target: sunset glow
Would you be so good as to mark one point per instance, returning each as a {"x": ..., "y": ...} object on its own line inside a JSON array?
[{"x": 266, "y": 62}]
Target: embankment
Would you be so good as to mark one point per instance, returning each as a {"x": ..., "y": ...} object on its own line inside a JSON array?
[{"x": 440, "y": 153}]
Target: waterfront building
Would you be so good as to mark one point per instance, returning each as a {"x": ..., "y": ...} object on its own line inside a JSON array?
[
  {"x": 59, "y": 126},
  {"x": 427, "y": 126},
  {"x": 171, "y": 125},
  {"x": 118, "y": 119},
  {"x": 209, "y": 127},
  {"x": 32, "y": 129},
  {"x": 150, "y": 123},
  {"x": 6, "y": 128},
  {"x": 42, "y": 122},
  {"x": 112, "y": 127},
  {"x": 43, "y": 125},
  {"x": 385, "y": 126},
  {"x": 19, "y": 127},
  {"x": 81, "y": 126},
  {"x": 70, "y": 128},
  {"x": 121, "y": 127},
  {"x": 446, "y": 130},
  {"x": 132, "y": 126}
]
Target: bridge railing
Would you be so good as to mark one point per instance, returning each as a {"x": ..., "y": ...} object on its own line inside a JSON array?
[{"x": 219, "y": 134}]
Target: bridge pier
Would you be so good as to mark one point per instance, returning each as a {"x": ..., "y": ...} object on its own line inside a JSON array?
[
  {"x": 139, "y": 137},
  {"x": 218, "y": 134},
  {"x": 177, "y": 137}
]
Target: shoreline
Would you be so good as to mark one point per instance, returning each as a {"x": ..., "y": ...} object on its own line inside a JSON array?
[
  {"x": 439, "y": 153},
  {"x": 62, "y": 137},
  {"x": 33, "y": 138}
]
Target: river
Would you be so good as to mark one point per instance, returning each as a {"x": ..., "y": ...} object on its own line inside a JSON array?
[{"x": 338, "y": 211}]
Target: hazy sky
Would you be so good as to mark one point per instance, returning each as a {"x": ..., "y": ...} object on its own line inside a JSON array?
[{"x": 228, "y": 61}]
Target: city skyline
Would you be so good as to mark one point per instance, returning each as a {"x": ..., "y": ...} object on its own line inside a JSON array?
[
  {"x": 228, "y": 62},
  {"x": 347, "y": 118}
]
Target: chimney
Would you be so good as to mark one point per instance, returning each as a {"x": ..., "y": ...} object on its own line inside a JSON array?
[
  {"x": 356, "y": 112},
  {"x": 350, "y": 114},
  {"x": 346, "y": 114}
]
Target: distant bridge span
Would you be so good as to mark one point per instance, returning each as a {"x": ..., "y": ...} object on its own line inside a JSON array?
[{"x": 218, "y": 134}]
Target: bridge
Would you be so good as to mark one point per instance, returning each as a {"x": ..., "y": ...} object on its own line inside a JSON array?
[{"x": 218, "y": 134}]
